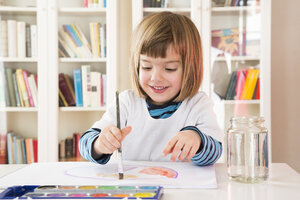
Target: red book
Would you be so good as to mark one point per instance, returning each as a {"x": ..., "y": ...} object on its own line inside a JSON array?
[
  {"x": 3, "y": 154},
  {"x": 257, "y": 94},
  {"x": 35, "y": 149},
  {"x": 65, "y": 90}
]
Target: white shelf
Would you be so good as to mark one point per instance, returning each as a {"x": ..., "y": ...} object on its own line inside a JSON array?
[
  {"x": 238, "y": 58},
  {"x": 177, "y": 10},
  {"x": 8, "y": 59},
  {"x": 18, "y": 10},
  {"x": 82, "y": 11},
  {"x": 18, "y": 109},
  {"x": 76, "y": 109},
  {"x": 235, "y": 8},
  {"x": 82, "y": 59},
  {"x": 232, "y": 102}
]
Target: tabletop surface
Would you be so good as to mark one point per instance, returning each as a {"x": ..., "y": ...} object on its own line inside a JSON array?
[{"x": 283, "y": 183}]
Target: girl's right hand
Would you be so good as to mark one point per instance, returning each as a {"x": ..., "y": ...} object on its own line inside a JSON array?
[{"x": 110, "y": 139}]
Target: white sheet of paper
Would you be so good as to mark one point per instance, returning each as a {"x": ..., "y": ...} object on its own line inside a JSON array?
[{"x": 166, "y": 174}]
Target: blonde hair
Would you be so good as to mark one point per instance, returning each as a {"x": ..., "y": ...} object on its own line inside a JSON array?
[{"x": 153, "y": 36}]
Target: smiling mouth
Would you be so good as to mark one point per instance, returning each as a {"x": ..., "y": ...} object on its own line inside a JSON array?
[{"x": 159, "y": 89}]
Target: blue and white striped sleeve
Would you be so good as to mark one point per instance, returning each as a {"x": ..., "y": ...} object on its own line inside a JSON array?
[
  {"x": 86, "y": 143},
  {"x": 209, "y": 151}
]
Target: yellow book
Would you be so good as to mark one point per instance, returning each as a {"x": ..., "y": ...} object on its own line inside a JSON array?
[
  {"x": 93, "y": 43},
  {"x": 22, "y": 87},
  {"x": 252, "y": 84},
  {"x": 63, "y": 98},
  {"x": 97, "y": 37}
]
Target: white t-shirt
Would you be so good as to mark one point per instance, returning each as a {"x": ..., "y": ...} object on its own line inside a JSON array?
[{"x": 150, "y": 136}]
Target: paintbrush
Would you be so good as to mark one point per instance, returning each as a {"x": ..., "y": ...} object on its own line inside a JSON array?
[{"x": 119, "y": 153}]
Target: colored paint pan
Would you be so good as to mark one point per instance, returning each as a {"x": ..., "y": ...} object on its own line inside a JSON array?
[
  {"x": 78, "y": 195},
  {"x": 87, "y": 187},
  {"x": 145, "y": 194},
  {"x": 107, "y": 187},
  {"x": 121, "y": 195},
  {"x": 56, "y": 195},
  {"x": 99, "y": 195}
]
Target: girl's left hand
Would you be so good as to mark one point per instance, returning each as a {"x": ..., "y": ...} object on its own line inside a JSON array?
[{"x": 185, "y": 142}]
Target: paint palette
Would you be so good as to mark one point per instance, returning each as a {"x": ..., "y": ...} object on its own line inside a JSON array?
[{"x": 82, "y": 192}]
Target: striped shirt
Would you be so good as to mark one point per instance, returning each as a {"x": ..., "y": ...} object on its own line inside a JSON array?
[{"x": 208, "y": 153}]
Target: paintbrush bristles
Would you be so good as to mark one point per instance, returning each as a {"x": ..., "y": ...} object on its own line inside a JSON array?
[{"x": 121, "y": 176}]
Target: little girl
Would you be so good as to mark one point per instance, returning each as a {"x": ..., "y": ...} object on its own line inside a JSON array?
[{"x": 166, "y": 117}]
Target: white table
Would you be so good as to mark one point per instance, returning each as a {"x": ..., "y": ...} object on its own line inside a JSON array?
[{"x": 284, "y": 183}]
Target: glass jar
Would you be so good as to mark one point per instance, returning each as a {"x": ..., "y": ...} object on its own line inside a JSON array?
[{"x": 247, "y": 150}]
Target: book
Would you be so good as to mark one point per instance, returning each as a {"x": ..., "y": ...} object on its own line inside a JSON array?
[
  {"x": 78, "y": 87},
  {"x": 3, "y": 152},
  {"x": 95, "y": 89},
  {"x": 3, "y": 39},
  {"x": 228, "y": 40},
  {"x": 62, "y": 98},
  {"x": 21, "y": 39},
  {"x": 28, "y": 40},
  {"x": 230, "y": 92},
  {"x": 10, "y": 85},
  {"x": 2, "y": 86},
  {"x": 33, "y": 38},
  {"x": 35, "y": 149},
  {"x": 33, "y": 89},
  {"x": 70, "y": 85},
  {"x": 12, "y": 38},
  {"x": 65, "y": 90},
  {"x": 250, "y": 83},
  {"x": 28, "y": 90},
  {"x": 16, "y": 89},
  {"x": 241, "y": 77},
  {"x": 86, "y": 85},
  {"x": 10, "y": 151},
  {"x": 69, "y": 147},
  {"x": 22, "y": 87}
]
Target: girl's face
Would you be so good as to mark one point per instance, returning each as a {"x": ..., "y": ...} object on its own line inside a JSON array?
[{"x": 161, "y": 78}]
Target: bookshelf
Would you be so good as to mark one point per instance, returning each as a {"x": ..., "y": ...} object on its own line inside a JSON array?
[
  {"x": 208, "y": 17},
  {"x": 22, "y": 120},
  {"x": 48, "y": 122}
]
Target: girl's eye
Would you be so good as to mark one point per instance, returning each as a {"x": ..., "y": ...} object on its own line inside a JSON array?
[
  {"x": 146, "y": 68},
  {"x": 171, "y": 69}
]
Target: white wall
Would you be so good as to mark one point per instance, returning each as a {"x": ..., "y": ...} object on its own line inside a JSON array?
[{"x": 285, "y": 82}]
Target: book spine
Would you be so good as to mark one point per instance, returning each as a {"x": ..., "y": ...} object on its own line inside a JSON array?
[
  {"x": 21, "y": 40},
  {"x": 11, "y": 88},
  {"x": 18, "y": 101},
  {"x": 78, "y": 87},
  {"x": 12, "y": 38},
  {"x": 3, "y": 39},
  {"x": 35, "y": 149},
  {"x": 28, "y": 41},
  {"x": 65, "y": 90},
  {"x": 24, "y": 151},
  {"x": 86, "y": 85},
  {"x": 3, "y": 151},
  {"x": 33, "y": 89},
  {"x": 25, "y": 76},
  {"x": 2, "y": 86}
]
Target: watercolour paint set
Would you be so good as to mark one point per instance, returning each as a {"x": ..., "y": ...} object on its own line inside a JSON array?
[{"x": 82, "y": 192}]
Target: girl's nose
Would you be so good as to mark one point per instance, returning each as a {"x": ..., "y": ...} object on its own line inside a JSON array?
[{"x": 156, "y": 75}]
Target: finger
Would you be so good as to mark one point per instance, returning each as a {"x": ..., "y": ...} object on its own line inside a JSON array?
[
  {"x": 110, "y": 138},
  {"x": 116, "y": 132},
  {"x": 184, "y": 152},
  {"x": 169, "y": 148},
  {"x": 125, "y": 131},
  {"x": 192, "y": 152},
  {"x": 106, "y": 145},
  {"x": 179, "y": 145}
]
